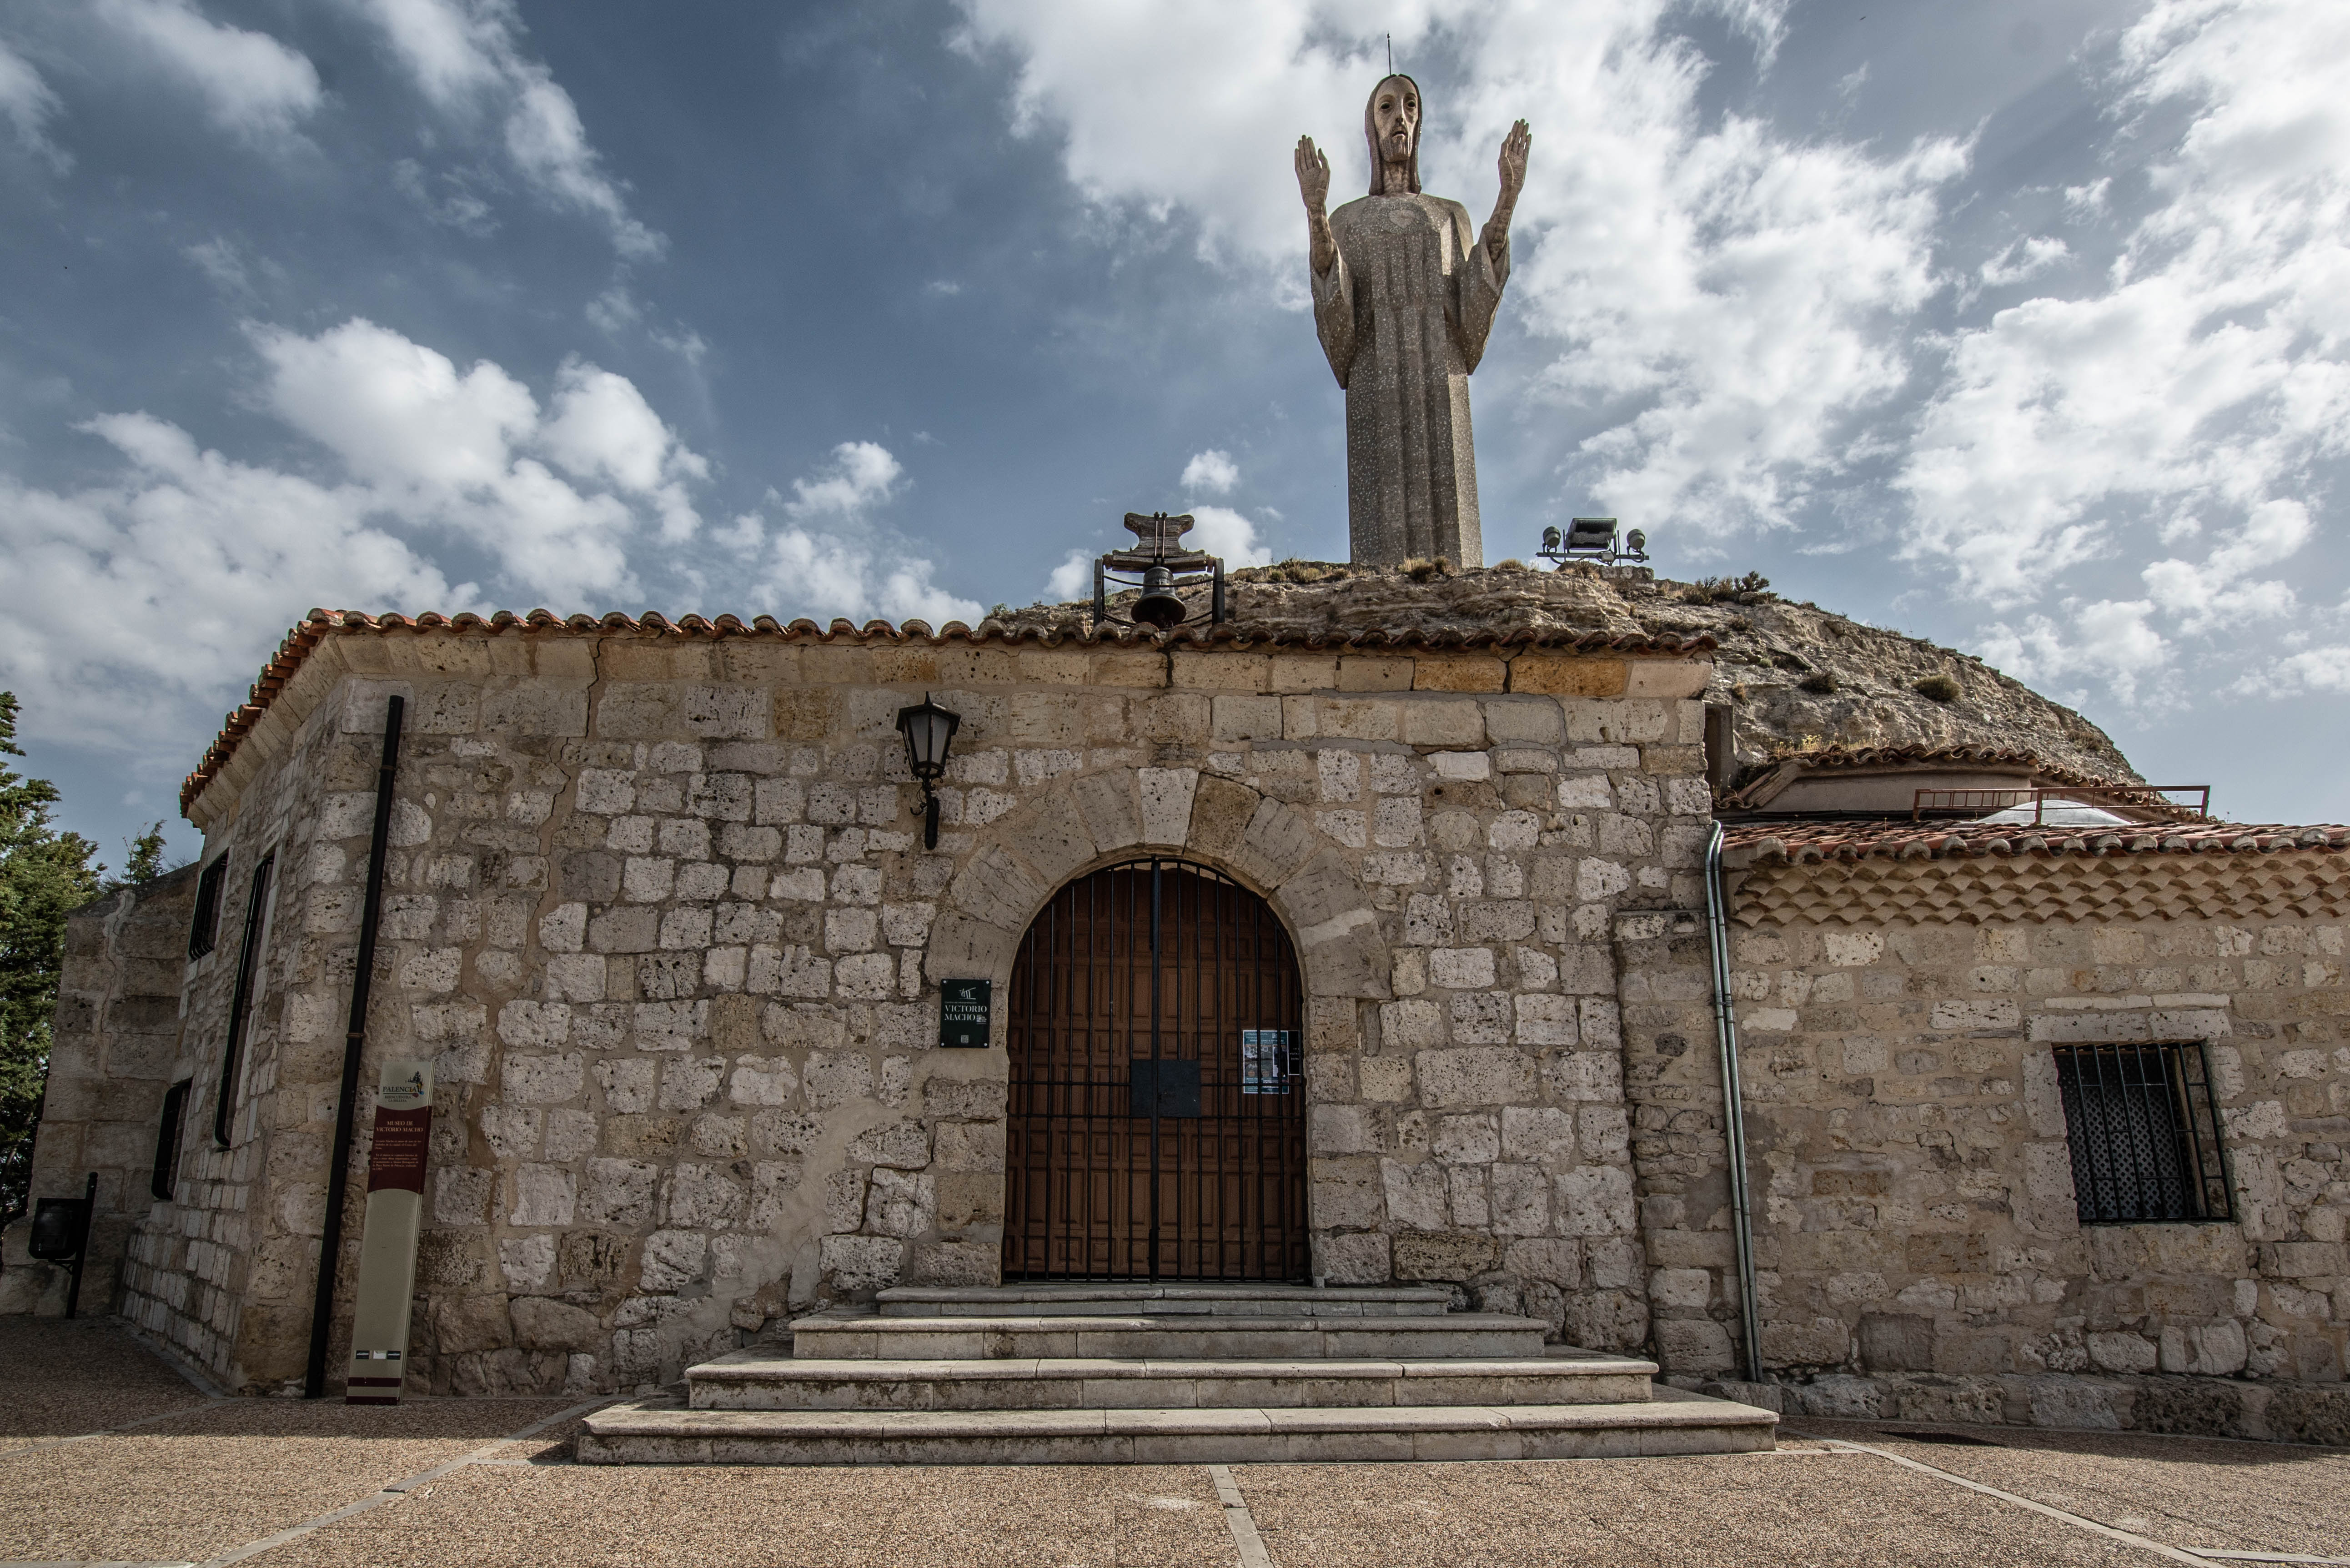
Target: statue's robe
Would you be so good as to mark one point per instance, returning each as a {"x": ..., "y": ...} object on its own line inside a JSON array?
[{"x": 1403, "y": 313}]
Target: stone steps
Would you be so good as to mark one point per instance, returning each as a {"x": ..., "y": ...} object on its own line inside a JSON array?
[
  {"x": 1156, "y": 1300},
  {"x": 653, "y": 1432},
  {"x": 1165, "y": 1374},
  {"x": 842, "y": 1337},
  {"x": 756, "y": 1380}
]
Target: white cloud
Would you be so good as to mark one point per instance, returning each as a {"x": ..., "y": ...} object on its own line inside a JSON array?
[
  {"x": 252, "y": 84},
  {"x": 2208, "y": 372},
  {"x": 833, "y": 559},
  {"x": 218, "y": 260},
  {"x": 1727, "y": 295},
  {"x": 460, "y": 451},
  {"x": 2313, "y": 669},
  {"x": 862, "y": 475},
  {"x": 1212, "y": 471},
  {"x": 603, "y": 428},
  {"x": 1255, "y": 75},
  {"x": 2023, "y": 260},
  {"x": 467, "y": 58},
  {"x": 397, "y": 412},
  {"x": 28, "y": 104},
  {"x": 214, "y": 557},
  {"x": 201, "y": 563},
  {"x": 2089, "y": 203},
  {"x": 1221, "y": 530},
  {"x": 2109, "y": 640},
  {"x": 1072, "y": 579},
  {"x": 2209, "y": 594},
  {"x": 459, "y": 208}
]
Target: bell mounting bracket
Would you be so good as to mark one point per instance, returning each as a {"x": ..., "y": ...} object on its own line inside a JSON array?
[{"x": 1159, "y": 566}]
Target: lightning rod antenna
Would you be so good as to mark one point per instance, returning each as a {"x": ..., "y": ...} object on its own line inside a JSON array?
[{"x": 1390, "y": 54}]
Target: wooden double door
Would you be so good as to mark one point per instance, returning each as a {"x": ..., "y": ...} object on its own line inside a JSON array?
[{"x": 1158, "y": 1098}]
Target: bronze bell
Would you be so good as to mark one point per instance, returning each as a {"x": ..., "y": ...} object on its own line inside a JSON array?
[{"x": 1158, "y": 606}]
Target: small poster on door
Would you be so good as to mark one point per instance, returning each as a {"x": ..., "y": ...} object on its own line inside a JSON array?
[{"x": 1268, "y": 1061}]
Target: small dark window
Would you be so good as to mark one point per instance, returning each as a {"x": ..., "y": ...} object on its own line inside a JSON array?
[
  {"x": 2144, "y": 1132},
  {"x": 205, "y": 930},
  {"x": 248, "y": 959},
  {"x": 1721, "y": 745},
  {"x": 167, "y": 1139}
]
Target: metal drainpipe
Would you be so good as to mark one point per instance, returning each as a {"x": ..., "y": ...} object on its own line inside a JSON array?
[
  {"x": 330, "y": 1245},
  {"x": 1733, "y": 1107}
]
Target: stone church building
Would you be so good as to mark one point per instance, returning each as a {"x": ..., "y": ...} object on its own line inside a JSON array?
[{"x": 1359, "y": 945}]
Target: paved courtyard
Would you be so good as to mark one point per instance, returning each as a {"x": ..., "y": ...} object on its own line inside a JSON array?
[{"x": 108, "y": 1455}]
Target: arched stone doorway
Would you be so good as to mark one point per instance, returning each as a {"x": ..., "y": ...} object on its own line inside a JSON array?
[{"x": 1157, "y": 1104}]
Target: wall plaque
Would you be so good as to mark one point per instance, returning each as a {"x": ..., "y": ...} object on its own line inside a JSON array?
[{"x": 964, "y": 1006}]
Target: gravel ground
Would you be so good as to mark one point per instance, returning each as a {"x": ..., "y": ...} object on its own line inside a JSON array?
[
  {"x": 222, "y": 1475},
  {"x": 201, "y": 1477},
  {"x": 61, "y": 1379},
  {"x": 510, "y": 1516},
  {"x": 1820, "y": 1510},
  {"x": 2183, "y": 1491}
]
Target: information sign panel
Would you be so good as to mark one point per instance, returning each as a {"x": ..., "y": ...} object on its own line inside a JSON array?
[
  {"x": 1268, "y": 1060},
  {"x": 964, "y": 1008},
  {"x": 395, "y": 1211}
]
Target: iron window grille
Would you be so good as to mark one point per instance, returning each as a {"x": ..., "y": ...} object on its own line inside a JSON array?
[
  {"x": 2145, "y": 1134},
  {"x": 166, "y": 1179},
  {"x": 204, "y": 932},
  {"x": 249, "y": 961}
]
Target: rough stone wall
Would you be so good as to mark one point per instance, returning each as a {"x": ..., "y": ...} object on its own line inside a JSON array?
[
  {"x": 224, "y": 1272},
  {"x": 659, "y": 910},
  {"x": 1672, "y": 1082},
  {"x": 1914, "y": 1186},
  {"x": 113, "y": 1057}
]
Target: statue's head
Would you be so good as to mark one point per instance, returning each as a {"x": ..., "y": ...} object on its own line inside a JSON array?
[{"x": 1391, "y": 126}]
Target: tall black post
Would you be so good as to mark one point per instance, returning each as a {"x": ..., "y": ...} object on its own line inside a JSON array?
[
  {"x": 330, "y": 1245},
  {"x": 89, "y": 1223}
]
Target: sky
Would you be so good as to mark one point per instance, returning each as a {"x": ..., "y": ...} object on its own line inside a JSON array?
[{"x": 2018, "y": 324}]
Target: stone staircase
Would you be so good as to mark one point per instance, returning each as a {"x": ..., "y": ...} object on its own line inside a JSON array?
[{"x": 1173, "y": 1373}]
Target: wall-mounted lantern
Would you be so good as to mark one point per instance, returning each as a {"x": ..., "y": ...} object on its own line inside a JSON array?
[{"x": 928, "y": 730}]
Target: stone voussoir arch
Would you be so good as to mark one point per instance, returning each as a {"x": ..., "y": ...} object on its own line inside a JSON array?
[{"x": 1080, "y": 822}]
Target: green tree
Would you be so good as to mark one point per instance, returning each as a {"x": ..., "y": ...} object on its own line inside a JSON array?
[
  {"x": 45, "y": 874},
  {"x": 145, "y": 861}
]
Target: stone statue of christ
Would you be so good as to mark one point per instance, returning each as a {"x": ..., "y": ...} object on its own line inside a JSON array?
[{"x": 1404, "y": 293}]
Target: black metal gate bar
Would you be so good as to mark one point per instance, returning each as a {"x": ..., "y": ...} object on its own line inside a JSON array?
[{"x": 1207, "y": 961}]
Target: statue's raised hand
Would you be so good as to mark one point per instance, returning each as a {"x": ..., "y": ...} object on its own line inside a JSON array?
[
  {"x": 1514, "y": 147},
  {"x": 1314, "y": 175}
]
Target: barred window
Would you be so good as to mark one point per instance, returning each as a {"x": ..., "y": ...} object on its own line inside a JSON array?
[
  {"x": 204, "y": 932},
  {"x": 167, "y": 1140},
  {"x": 2144, "y": 1132},
  {"x": 248, "y": 963}
]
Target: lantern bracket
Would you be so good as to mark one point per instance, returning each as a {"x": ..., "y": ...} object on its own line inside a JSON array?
[{"x": 929, "y": 731}]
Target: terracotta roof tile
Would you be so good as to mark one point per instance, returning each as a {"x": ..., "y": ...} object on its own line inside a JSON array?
[
  {"x": 1796, "y": 842},
  {"x": 321, "y": 624},
  {"x": 1831, "y": 759}
]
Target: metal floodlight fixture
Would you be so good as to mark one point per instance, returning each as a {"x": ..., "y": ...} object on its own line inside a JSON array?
[
  {"x": 1592, "y": 539},
  {"x": 928, "y": 730},
  {"x": 1158, "y": 564},
  {"x": 60, "y": 1225}
]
